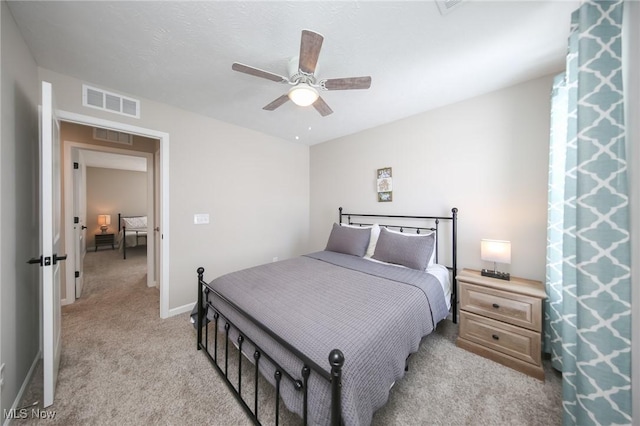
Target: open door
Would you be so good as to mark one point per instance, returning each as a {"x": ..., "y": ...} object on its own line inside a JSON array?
[{"x": 50, "y": 242}]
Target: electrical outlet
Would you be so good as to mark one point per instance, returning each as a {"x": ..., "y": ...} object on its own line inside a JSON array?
[
  {"x": 275, "y": 259},
  {"x": 2, "y": 374}
]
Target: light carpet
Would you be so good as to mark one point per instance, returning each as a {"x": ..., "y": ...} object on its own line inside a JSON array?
[{"x": 121, "y": 364}]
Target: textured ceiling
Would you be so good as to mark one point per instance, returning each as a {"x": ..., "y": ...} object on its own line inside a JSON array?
[{"x": 180, "y": 53}]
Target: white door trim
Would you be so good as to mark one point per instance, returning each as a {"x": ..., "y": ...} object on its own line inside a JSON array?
[
  {"x": 164, "y": 282},
  {"x": 69, "y": 148}
]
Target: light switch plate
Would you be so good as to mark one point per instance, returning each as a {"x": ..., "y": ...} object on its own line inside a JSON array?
[{"x": 201, "y": 218}]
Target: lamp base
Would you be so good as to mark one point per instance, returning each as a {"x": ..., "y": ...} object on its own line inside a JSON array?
[
  {"x": 496, "y": 274},
  {"x": 104, "y": 229}
]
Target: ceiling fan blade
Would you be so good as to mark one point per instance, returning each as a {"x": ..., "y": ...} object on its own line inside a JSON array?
[
  {"x": 275, "y": 104},
  {"x": 310, "y": 46},
  {"x": 321, "y": 106},
  {"x": 346, "y": 83},
  {"x": 257, "y": 72}
]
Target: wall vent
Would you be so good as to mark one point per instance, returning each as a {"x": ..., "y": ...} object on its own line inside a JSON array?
[
  {"x": 112, "y": 136},
  {"x": 447, "y": 6},
  {"x": 109, "y": 101}
]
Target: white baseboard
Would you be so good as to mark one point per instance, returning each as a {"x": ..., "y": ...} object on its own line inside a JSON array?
[
  {"x": 24, "y": 386},
  {"x": 181, "y": 309}
]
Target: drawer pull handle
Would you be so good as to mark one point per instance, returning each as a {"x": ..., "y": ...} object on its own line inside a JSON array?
[
  {"x": 495, "y": 305},
  {"x": 495, "y": 337}
]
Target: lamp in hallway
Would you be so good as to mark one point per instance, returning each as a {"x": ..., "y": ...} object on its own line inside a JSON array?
[{"x": 104, "y": 220}]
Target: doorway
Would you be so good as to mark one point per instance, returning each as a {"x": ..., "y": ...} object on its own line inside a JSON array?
[
  {"x": 157, "y": 212},
  {"x": 104, "y": 183}
]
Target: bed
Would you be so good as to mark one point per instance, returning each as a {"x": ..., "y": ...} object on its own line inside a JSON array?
[
  {"x": 132, "y": 232},
  {"x": 332, "y": 330}
]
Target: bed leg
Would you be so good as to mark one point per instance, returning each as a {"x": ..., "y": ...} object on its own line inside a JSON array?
[
  {"x": 336, "y": 359},
  {"x": 124, "y": 242},
  {"x": 200, "y": 310}
]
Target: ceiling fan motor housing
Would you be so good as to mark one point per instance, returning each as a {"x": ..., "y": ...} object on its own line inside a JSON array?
[
  {"x": 297, "y": 76},
  {"x": 302, "y": 71}
]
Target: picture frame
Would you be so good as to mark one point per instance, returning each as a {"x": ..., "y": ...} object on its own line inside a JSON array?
[
  {"x": 385, "y": 197},
  {"x": 384, "y": 184}
]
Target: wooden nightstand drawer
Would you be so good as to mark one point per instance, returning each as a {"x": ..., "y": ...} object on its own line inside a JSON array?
[
  {"x": 502, "y": 320},
  {"x": 104, "y": 240},
  {"x": 513, "y": 308},
  {"x": 510, "y": 340}
]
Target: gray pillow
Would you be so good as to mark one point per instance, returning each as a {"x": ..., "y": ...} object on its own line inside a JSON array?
[
  {"x": 349, "y": 240},
  {"x": 411, "y": 251}
]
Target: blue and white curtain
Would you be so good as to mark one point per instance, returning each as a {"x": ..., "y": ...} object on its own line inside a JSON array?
[{"x": 588, "y": 313}]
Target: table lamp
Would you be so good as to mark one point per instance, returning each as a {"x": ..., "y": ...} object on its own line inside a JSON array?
[
  {"x": 104, "y": 220},
  {"x": 496, "y": 251}
]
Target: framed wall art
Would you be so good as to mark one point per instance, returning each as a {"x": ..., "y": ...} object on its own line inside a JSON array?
[{"x": 384, "y": 185}]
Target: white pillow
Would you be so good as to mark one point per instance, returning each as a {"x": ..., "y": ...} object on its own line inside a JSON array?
[
  {"x": 432, "y": 259},
  {"x": 373, "y": 239}
]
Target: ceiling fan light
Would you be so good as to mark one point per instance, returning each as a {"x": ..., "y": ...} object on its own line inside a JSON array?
[{"x": 303, "y": 95}]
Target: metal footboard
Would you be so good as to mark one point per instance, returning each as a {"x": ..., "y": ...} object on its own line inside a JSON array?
[{"x": 336, "y": 358}]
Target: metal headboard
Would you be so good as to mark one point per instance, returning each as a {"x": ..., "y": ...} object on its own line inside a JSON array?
[
  {"x": 122, "y": 216},
  {"x": 432, "y": 225}
]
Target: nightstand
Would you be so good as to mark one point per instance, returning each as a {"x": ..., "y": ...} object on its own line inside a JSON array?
[
  {"x": 105, "y": 240},
  {"x": 502, "y": 320}
]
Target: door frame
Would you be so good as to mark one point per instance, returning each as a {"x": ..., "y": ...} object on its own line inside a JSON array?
[
  {"x": 69, "y": 195},
  {"x": 163, "y": 173}
]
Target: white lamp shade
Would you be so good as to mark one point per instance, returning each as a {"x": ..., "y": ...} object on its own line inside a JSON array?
[
  {"x": 104, "y": 219},
  {"x": 495, "y": 251},
  {"x": 303, "y": 95}
]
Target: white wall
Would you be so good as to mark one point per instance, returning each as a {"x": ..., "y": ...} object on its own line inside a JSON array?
[
  {"x": 19, "y": 223},
  {"x": 255, "y": 188},
  {"x": 113, "y": 191},
  {"x": 487, "y": 156}
]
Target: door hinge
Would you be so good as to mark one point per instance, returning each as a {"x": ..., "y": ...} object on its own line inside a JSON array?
[
  {"x": 76, "y": 166},
  {"x": 77, "y": 274},
  {"x": 76, "y": 219}
]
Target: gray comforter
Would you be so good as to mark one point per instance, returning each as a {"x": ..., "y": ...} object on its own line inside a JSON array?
[{"x": 375, "y": 314}]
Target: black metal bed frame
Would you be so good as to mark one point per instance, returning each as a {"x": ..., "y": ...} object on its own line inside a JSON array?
[
  {"x": 335, "y": 358},
  {"x": 124, "y": 233}
]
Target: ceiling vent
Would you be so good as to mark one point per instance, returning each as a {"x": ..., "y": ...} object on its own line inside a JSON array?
[
  {"x": 447, "y": 6},
  {"x": 112, "y": 136},
  {"x": 108, "y": 101}
]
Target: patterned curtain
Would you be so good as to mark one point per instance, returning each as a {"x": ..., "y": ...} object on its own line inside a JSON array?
[{"x": 588, "y": 313}]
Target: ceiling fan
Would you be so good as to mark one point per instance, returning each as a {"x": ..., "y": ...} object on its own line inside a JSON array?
[{"x": 302, "y": 78}]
